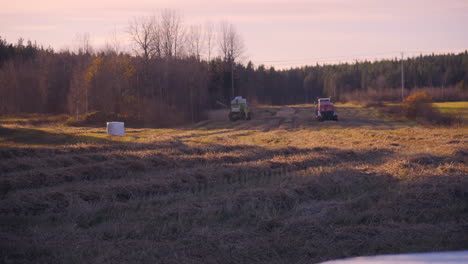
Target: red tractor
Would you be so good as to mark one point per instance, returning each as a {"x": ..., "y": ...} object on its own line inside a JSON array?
[{"x": 325, "y": 110}]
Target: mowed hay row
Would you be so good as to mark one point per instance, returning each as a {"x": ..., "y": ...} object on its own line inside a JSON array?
[
  {"x": 299, "y": 196},
  {"x": 148, "y": 173},
  {"x": 312, "y": 218}
]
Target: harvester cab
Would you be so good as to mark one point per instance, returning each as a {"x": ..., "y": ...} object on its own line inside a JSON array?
[
  {"x": 325, "y": 110},
  {"x": 239, "y": 109}
]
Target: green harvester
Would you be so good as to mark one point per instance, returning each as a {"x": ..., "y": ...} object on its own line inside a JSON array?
[{"x": 239, "y": 109}]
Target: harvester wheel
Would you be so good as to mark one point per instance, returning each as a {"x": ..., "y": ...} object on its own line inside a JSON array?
[
  {"x": 243, "y": 116},
  {"x": 231, "y": 117}
]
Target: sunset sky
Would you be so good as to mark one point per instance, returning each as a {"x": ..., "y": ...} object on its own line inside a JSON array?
[{"x": 275, "y": 32}]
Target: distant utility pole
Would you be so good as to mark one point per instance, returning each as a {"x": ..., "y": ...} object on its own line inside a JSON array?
[{"x": 402, "y": 79}]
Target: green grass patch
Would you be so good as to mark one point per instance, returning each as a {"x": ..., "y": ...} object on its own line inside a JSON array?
[
  {"x": 348, "y": 105},
  {"x": 453, "y": 108},
  {"x": 458, "y": 105}
]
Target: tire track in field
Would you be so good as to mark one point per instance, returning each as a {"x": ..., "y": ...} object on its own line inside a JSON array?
[{"x": 287, "y": 118}]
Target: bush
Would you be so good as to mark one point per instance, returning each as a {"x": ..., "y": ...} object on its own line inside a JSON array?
[{"x": 418, "y": 105}]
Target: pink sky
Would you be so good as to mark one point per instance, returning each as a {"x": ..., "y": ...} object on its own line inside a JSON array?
[{"x": 275, "y": 32}]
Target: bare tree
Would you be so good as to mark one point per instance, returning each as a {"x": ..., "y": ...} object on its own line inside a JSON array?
[
  {"x": 230, "y": 43},
  {"x": 171, "y": 32},
  {"x": 195, "y": 41},
  {"x": 223, "y": 40},
  {"x": 156, "y": 38},
  {"x": 83, "y": 43},
  {"x": 113, "y": 44},
  {"x": 231, "y": 46},
  {"x": 141, "y": 33},
  {"x": 209, "y": 39}
]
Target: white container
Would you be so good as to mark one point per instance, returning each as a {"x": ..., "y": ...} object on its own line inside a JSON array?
[{"x": 115, "y": 128}]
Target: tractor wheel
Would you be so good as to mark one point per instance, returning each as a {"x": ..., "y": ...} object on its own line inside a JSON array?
[
  {"x": 249, "y": 116},
  {"x": 232, "y": 117}
]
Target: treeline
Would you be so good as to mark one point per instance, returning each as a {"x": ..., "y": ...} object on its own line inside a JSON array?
[
  {"x": 176, "y": 72},
  {"x": 434, "y": 73},
  {"x": 381, "y": 77},
  {"x": 171, "y": 77},
  {"x": 154, "y": 91}
]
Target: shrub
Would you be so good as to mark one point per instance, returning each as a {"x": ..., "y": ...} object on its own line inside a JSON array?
[{"x": 418, "y": 105}]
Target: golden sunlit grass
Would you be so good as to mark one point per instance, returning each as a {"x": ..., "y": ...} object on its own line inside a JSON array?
[
  {"x": 276, "y": 189},
  {"x": 454, "y": 108},
  {"x": 460, "y": 105},
  {"x": 457, "y": 105}
]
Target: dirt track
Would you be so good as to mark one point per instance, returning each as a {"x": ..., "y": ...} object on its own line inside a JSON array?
[{"x": 286, "y": 117}]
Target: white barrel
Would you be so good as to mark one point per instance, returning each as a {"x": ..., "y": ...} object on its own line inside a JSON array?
[{"x": 115, "y": 128}]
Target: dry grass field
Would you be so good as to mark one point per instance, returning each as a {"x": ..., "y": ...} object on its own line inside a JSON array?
[{"x": 281, "y": 188}]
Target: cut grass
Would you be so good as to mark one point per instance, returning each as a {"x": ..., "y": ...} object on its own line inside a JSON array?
[
  {"x": 244, "y": 192},
  {"x": 20, "y": 136}
]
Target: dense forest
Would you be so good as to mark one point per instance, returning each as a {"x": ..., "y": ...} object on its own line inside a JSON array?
[{"x": 173, "y": 76}]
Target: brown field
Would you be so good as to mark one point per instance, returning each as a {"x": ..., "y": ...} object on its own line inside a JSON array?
[{"x": 281, "y": 188}]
